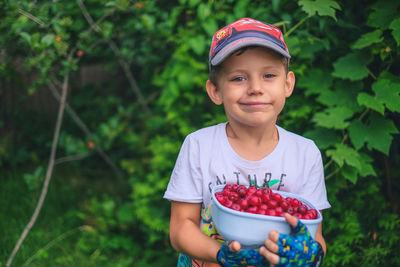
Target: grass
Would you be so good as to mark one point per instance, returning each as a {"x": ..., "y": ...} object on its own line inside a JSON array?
[{"x": 68, "y": 231}]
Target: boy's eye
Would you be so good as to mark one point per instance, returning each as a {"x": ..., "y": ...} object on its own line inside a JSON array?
[
  {"x": 269, "y": 76},
  {"x": 238, "y": 79}
]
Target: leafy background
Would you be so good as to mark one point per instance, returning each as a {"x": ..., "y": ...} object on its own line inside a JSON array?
[{"x": 136, "y": 88}]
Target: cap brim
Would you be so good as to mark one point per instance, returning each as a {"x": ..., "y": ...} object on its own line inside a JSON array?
[{"x": 243, "y": 42}]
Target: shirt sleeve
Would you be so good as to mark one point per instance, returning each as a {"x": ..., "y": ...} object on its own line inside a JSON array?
[
  {"x": 314, "y": 189},
  {"x": 185, "y": 184}
]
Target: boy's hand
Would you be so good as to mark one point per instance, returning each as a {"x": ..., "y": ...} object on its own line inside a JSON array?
[
  {"x": 299, "y": 249},
  {"x": 231, "y": 255}
]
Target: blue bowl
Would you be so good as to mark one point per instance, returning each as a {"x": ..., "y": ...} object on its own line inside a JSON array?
[{"x": 251, "y": 229}]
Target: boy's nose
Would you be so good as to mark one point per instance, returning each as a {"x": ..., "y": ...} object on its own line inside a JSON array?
[{"x": 255, "y": 87}]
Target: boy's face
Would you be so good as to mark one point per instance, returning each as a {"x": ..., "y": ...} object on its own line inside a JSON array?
[{"x": 253, "y": 87}]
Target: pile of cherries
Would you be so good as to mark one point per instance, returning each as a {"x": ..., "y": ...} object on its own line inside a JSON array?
[{"x": 262, "y": 201}]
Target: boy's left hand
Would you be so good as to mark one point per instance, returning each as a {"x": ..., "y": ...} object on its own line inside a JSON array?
[
  {"x": 232, "y": 255},
  {"x": 299, "y": 249}
]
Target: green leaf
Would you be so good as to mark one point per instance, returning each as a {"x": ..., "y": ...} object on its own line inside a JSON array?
[
  {"x": 388, "y": 93},
  {"x": 349, "y": 173},
  {"x": 26, "y": 36},
  {"x": 380, "y": 132},
  {"x": 353, "y": 66},
  {"x": 383, "y": 13},
  {"x": 377, "y": 134},
  {"x": 323, "y": 137},
  {"x": 371, "y": 102},
  {"x": 272, "y": 182},
  {"x": 357, "y": 133},
  {"x": 48, "y": 39},
  {"x": 322, "y": 7},
  {"x": 333, "y": 117},
  {"x": 198, "y": 44},
  {"x": 395, "y": 26},
  {"x": 366, "y": 166},
  {"x": 345, "y": 154},
  {"x": 343, "y": 94},
  {"x": 368, "y": 39},
  {"x": 210, "y": 26},
  {"x": 315, "y": 81}
]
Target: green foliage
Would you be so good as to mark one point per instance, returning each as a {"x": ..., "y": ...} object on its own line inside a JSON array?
[{"x": 346, "y": 62}]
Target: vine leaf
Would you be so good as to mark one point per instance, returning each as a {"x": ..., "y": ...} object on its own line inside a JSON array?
[
  {"x": 322, "y": 7},
  {"x": 333, "y": 117},
  {"x": 395, "y": 26},
  {"x": 388, "y": 93},
  {"x": 371, "y": 102},
  {"x": 340, "y": 95},
  {"x": 378, "y": 134},
  {"x": 383, "y": 13},
  {"x": 366, "y": 165},
  {"x": 323, "y": 137},
  {"x": 352, "y": 66},
  {"x": 345, "y": 154},
  {"x": 368, "y": 39},
  {"x": 315, "y": 82}
]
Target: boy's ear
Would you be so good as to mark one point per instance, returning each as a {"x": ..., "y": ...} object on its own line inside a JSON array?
[
  {"x": 289, "y": 85},
  {"x": 213, "y": 93}
]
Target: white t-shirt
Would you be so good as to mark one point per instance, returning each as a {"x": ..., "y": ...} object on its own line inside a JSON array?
[{"x": 207, "y": 159}]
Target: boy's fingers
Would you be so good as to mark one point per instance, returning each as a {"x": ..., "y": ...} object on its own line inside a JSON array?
[
  {"x": 272, "y": 258},
  {"x": 271, "y": 246},
  {"x": 273, "y": 236},
  {"x": 291, "y": 220},
  {"x": 235, "y": 246}
]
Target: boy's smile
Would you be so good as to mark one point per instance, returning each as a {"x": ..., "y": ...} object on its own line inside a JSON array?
[{"x": 253, "y": 86}]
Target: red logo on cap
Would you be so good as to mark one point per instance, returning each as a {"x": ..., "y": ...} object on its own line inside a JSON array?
[{"x": 245, "y": 24}]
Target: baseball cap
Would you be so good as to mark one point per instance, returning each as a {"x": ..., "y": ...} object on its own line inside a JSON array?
[{"x": 242, "y": 33}]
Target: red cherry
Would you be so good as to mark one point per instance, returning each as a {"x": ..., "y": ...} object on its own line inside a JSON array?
[
  {"x": 302, "y": 209},
  {"x": 308, "y": 216},
  {"x": 244, "y": 204},
  {"x": 265, "y": 198},
  {"x": 258, "y": 192},
  {"x": 279, "y": 210},
  {"x": 284, "y": 204},
  {"x": 267, "y": 190},
  {"x": 226, "y": 192},
  {"x": 272, "y": 204},
  {"x": 252, "y": 209},
  {"x": 262, "y": 212},
  {"x": 235, "y": 206},
  {"x": 271, "y": 212},
  {"x": 254, "y": 200},
  {"x": 234, "y": 196},
  {"x": 314, "y": 213},
  {"x": 221, "y": 199},
  {"x": 235, "y": 187},
  {"x": 263, "y": 206},
  {"x": 277, "y": 197},
  {"x": 251, "y": 190},
  {"x": 290, "y": 210},
  {"x": 242, "y": 190},
  {"x": 228, "y": 203},
  {"x": 228, "y": 187},
  {"x": 295, "y": 202}
]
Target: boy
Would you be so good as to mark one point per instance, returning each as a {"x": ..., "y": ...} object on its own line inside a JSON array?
[{"x": 249, "y": 75}]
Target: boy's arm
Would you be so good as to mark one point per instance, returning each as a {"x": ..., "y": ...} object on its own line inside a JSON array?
[
  {"x": 185, "y": 234},
  {"x": 320, "y": 238}
]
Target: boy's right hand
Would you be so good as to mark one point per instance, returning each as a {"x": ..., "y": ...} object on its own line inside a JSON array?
[{"x": 231, "y": 255}]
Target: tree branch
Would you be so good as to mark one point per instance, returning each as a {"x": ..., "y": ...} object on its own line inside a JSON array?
[
  {"x": 49, "y": 169},
  {"x": 83, "y": 127},
  {"x": 121, "y": 61}
]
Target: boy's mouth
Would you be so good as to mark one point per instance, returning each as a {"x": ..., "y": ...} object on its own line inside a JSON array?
[{"x": 255, "y": 104}]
